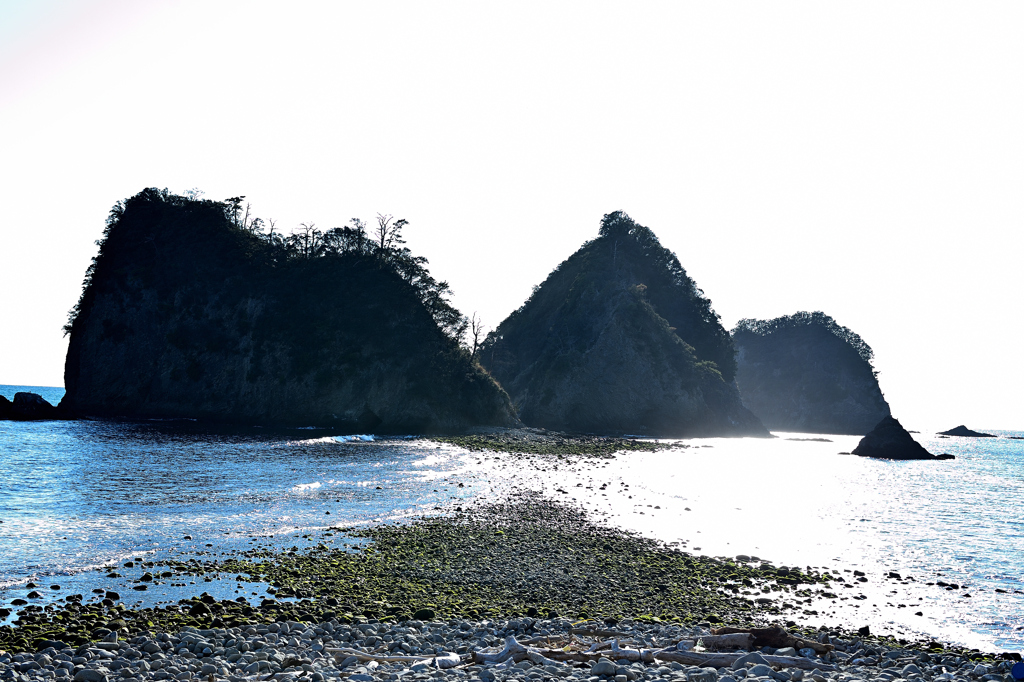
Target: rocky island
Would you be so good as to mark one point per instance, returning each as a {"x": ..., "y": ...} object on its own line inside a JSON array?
[
  {"x": 618, "y": 339},
  {"x": 189, "y": 311},
  {"x": 965, "y": 432},
  {"x": 807, "y": 373},
  {"x": 27, "y": 407},
  {"x": 889, "y": 440}
]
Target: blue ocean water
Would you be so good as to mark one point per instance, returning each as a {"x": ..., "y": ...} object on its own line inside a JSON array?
[{"x": 78, "y": 495}]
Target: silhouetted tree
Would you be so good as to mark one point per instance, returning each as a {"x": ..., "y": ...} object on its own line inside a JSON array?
[
  {"x": 807, "y": 319},
  {"x": 306, "y": 240},
  {"x": 476, "y": 332},
  {"x": 388, "y": 234},
  {"x": 385, "y": 245},
  {"x": 349, "y": 239},
  {"x": 233, "y": 209}
]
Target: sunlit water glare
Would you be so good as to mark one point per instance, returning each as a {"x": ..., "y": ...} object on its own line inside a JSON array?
[
  {"x": 78, "y": 495},
  {"x": 800, "y": 503}
]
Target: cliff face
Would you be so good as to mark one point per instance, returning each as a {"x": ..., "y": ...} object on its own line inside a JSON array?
[
  {"x": 186, "y": 315},
  {"x": 619, "y": 339},
  {"x": 806, "y": 373}
]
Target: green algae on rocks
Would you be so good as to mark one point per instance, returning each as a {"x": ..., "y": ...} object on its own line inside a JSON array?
[
  {"x": 541, "y": 442},
  {"x": 530, "y": 557}
]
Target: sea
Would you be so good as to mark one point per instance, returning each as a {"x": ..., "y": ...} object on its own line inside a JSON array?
[{"x": 78, "y": 496}]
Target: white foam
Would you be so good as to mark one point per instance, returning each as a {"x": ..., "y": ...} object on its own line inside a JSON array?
[
  {"x": 304, "y": 487},
  {"x": 357, "y": 438},
  {"x": 310, "y": 441}
]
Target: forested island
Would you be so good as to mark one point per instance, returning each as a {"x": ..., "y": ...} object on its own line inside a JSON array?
[
  {"x": 807, "y": 373},
  {"x": 192, "y": 310},
  {"x": 619, "y": 339}
]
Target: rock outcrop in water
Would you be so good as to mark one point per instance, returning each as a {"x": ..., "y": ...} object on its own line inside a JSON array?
[
  {"x": 806, "y": 373},
  {"x": 889, "y": 440},
  {"x": 965, "y": 432},
  {"x": 618, "y": 339},
  {"x": 28, "y": 407},
  {"x": 188, "y": 314}
]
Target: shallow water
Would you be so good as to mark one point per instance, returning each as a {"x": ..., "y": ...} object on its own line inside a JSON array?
[
  {"x": 78, "y": 495},
  {"x": 800, "y": 503}
]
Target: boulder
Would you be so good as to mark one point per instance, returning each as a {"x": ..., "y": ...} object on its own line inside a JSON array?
[
  {"x": 32, "y": 406},
  {"x": 889, "y": 440},
  {"x": 965, "y": 433},
  {"x": 6, "y": 408},
  {"x": 603, "y": 667}
]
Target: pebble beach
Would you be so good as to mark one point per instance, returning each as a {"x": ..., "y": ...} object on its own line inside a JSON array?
[
  {"x": 293, "y": 651},
  {"x": 525, "y": 586},
  {"x": 443, "y": 597}
]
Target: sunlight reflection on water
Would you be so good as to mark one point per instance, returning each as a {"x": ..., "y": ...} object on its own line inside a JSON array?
[
  {"x": 79, "y": 495},
  {"x": 800, "y": 503}
]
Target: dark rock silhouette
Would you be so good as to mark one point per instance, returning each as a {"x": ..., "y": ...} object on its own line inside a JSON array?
[
  {"x": 618, "y": 339},
  {"x": 965, "y": 432},
  {"x": 32, "y": 406},
  {"x": 186, "y": 313},
  {"x": 889, "y": 440},
  {"x": 28, "y": 407},
  {"x": 806, "y": 373}
]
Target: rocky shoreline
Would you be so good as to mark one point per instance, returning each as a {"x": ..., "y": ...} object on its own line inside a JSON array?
[
  {"x": 461, "y": 585},
  {"x": 289, "y": 650}
]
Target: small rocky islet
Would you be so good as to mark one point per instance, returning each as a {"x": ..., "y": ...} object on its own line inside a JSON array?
[
  {"x": 889, "y": 440},
  {"x": 965, "y": 432},
  {"x": 462, "y": 585}
]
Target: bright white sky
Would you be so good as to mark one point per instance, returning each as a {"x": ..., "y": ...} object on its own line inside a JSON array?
[{"x": 861, "y": 158}]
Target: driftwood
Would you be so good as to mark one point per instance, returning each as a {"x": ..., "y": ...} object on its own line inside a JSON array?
[
  {"x": 722, "y": 638},
  {"x": 546, "y": 639},
  {"x": 733, "y": 640},
  {"x": 443, "y": 662},
  {"x": 727, "y": 660},
  {"x": 610, "y": 644},
  {"x": 777, "y": 638},
  {"x": 518, "y": 652}
]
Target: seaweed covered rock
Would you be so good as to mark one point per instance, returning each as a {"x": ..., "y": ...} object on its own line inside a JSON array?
[
  {"x": 618, "y": 339},
  {"x": 806, "y": 373},
  {"x": 188, "y": 313},
  {"x": 889, "y": 440}
]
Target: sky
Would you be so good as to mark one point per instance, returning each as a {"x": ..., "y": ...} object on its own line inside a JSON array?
[{"x": 865, "y": 159}]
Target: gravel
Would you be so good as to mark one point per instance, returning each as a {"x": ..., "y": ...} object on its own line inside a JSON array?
[
  {"x": 299, "y": 651},
  {"x": 526, "y": 567}
]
